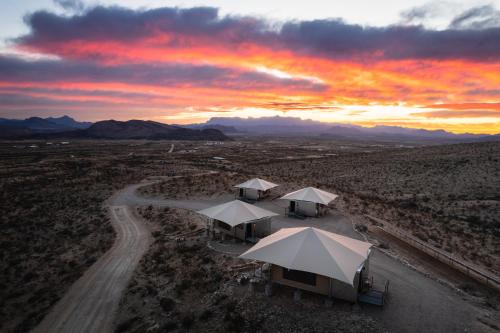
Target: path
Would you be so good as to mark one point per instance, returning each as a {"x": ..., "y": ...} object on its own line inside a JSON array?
[{"x": 91, "y": 302}]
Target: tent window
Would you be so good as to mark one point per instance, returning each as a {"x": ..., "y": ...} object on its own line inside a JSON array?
[
  {"x": 299, "y": 276},
  {"x": 223, "y": 225}
]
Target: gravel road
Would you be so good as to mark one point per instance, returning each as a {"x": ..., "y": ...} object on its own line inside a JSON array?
[{"x": 91, "y": 302}]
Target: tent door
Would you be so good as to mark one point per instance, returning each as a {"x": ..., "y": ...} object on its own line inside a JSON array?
[
  {"x": 241, "y": 192},
  {"x": 361, "y": 279},
  {"x": 248, "y": 231},
  {"x": 292, "y": 206}
]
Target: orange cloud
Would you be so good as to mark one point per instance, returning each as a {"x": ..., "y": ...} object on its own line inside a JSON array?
[{"x": 173, "y": 60}]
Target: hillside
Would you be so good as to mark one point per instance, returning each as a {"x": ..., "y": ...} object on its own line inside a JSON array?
[
  {"x": 139, "y": 129},
  {"x": 34, "y": 125}
]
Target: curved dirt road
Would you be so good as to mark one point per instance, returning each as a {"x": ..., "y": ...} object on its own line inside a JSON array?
[{"x": 91, "y": 302}]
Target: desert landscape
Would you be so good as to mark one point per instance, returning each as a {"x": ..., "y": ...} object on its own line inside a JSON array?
[
  {"x": 446, "y": 196},
  {"x": 245, "y": 166}
]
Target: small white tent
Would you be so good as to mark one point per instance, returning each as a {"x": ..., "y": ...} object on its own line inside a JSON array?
[
  {"x": 240, "y": 219},
  {"x": 326, "y": 255},
  {"x": 309, "y": 201},
  {"x": 255, "y": 188}
]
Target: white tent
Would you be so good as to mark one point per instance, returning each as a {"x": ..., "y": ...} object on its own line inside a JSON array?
[
  {"x": 312, "y": 250},
  {"x": 257, "y": 184},
  {"x": 311, "y": 194},
  {"x": 236, "y": 212}
]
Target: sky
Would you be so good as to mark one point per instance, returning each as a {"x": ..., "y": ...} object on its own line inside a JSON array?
[{"x": 419, "y": 64}]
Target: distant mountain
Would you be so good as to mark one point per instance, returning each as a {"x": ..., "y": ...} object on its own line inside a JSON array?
[
  {"x": 396, "y": 133},
  {"x": 290, "y": 126},
  {"x": 45, "y": 125},
  {"x": 223, "y": 128},
  {"x": 271, "y": 125},
  {"x": 137, "y": 129},
  {"x": 69, "y": 122}
]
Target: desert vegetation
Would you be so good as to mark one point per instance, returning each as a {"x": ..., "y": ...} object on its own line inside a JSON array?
[
  {"x": 53, "y": 218},
  {"x": 444, "y": 195}
]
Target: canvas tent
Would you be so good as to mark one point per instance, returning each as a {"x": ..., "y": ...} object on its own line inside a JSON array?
[
  {"x": 255, "y": 188},
  {"x": 315, "y": 260},
  {"x": 309, "y": 201},
  {"x": 239, "y": 219}
]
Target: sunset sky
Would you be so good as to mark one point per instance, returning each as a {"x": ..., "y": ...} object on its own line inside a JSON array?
[{"x": 433, "y": 65}]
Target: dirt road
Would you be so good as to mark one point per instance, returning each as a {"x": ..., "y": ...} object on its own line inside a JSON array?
[{"x": 91, "y": 302}]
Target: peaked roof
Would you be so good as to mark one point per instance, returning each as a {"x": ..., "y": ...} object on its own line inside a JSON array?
[
  {"x": 311, "y": 194},
  {"x": 312, "y": 250},
  {"x": 236, "y": 212},
  {"x": 258, "y": 184}
]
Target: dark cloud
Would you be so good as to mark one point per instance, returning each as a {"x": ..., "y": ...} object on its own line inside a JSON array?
[
  {"x": 325, "y": 38},
  {"x": 483, "y": 17},
  {"x": 423, "y": 12},
  {"x": 177, "y": 75},
  {"x": 75, "y": 5}
]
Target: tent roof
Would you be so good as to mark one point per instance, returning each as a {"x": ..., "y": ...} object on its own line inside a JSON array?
[
  {"x": 311, "y": 194},
  {"x": 312, "y": 250},
  {"x": 236, "y": 212},
  {"x": 258, "y": 184}
]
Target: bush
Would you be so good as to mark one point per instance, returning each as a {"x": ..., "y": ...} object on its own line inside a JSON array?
[
  {"x": 126, "y": 325},
  {"x": 188, "y": 320},
  {"x": 167, "y": 304},
  {"x": 206, "y": 314},
  {"x": 361, "y": 228}
]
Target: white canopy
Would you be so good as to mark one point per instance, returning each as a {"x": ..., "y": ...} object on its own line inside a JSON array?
[
  {"x": 257, "y": 184},
  {"x": 311, "y": 194},
  {"x": 236, "y": 212},
  {"x": 312, "y": 250}
]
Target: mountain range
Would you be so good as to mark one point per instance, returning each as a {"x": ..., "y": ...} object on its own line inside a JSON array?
[
  {"x": 66, "y": 127},
  {"x": 290, "y": 126},
  {"x": 37, "y": 124},
  {"x": 218, "y": 127}
]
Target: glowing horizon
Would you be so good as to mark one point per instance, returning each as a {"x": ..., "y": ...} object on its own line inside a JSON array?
[{"x": 188, "y": 65}]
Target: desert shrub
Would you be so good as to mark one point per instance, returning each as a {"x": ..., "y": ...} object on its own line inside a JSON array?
[
  {"x": 188, "y": 320},
  {"x": 361, "y": 227},
  {"x": 167, "y": 304},
  {"x": 168, "y": 326},
  {"x": 126, "y": 325},
  {"x": 422, "y": 236},
  {"x": 383, "y": 245},
  {"x": 206, "y": 314}
]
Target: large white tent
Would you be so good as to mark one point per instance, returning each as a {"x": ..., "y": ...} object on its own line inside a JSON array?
[
  {"x": 257, "y": 184},
  {"x": 236, "y": 212},
  {"x": 312, "y": 250},
  {"x": 311, "y": 194}
]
